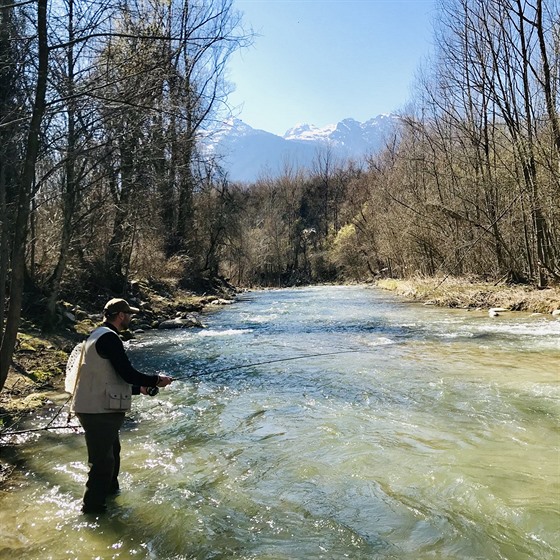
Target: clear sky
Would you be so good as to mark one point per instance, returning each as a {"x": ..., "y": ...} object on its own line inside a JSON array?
[{"x": 320, "y": 61}]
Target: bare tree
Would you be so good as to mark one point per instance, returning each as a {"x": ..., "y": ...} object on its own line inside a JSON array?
[
  {"x": 158, "y": 63},
  {"x": 11, "y": 133},
  {"x": 26, "y": 176},
  {"x": 209, "y": 33},
  {"x": 71, "y": 69}
]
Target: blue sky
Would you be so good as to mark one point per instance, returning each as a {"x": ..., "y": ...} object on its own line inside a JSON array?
[{"x": 320, "y": 61}]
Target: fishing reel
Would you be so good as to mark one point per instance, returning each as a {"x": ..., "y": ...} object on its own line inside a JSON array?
[{"x": 152, "y": 391}]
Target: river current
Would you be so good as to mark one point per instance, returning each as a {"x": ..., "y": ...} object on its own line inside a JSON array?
[{"x": 318, "y": 423}]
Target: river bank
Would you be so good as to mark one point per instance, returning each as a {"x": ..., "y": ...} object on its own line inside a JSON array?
[{"x": 471, "y": 294}]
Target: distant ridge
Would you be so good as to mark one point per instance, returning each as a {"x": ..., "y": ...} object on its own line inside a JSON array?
[{"x": 248, "y": 153}]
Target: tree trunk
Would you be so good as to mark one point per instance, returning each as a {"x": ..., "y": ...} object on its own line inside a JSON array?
[
  {"x": 550, "y": 92},
  {"x": 8, "y": 131},
  {"x": 26, "y": 181},
  {"x": 70, "y": 194}
]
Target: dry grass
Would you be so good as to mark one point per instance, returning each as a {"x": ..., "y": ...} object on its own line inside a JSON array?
[{"x": 463, "y": 293}]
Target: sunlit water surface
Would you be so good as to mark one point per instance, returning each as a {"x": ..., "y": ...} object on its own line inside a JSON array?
[{"x": 408, "y": 432}]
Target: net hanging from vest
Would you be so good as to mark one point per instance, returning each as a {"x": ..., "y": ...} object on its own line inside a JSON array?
[{"x": 73, "y": 367}]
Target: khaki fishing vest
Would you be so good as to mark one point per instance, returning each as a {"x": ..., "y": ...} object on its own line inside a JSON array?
[{"x": 100, "y": 389}]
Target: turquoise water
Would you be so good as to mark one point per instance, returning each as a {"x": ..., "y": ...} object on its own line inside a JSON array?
[{"x": 369, "y": 429}]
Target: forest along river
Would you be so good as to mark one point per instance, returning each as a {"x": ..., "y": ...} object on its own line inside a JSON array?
[{"x": 408, "y": 432}]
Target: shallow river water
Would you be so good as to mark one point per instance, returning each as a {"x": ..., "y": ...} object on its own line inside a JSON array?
[{"x": 318, "y": 423}]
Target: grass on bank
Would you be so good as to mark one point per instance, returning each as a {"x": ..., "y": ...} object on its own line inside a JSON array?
[{"x": 467, "y": 294}]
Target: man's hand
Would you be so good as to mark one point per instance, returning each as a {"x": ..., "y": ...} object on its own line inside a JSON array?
[
  {"x": 164, "y": 380},
  {"x": 152, "y": 391}
]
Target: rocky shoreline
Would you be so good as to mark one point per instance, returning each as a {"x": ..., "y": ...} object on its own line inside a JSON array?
[{"x": 39, "y": 361}]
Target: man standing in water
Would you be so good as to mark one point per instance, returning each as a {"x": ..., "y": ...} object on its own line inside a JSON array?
[{"x": 105, "y": 384}]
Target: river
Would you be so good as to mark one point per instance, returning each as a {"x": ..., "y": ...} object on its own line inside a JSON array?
[{"x": 318, "y": 423}]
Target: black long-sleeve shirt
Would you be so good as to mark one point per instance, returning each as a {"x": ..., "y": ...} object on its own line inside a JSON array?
[{"x": 111, "y": 348}]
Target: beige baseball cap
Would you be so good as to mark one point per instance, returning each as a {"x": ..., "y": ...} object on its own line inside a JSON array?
[{"x": 118, "y": 305}]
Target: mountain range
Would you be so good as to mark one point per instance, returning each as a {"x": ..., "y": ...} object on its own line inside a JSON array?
[{"x": 248, "y": 154}]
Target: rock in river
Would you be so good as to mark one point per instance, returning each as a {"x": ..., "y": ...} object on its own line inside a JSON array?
[{"x": 182, "y": 323}]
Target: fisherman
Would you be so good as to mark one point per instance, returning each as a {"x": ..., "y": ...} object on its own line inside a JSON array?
[{"x": 105, "y": 383}]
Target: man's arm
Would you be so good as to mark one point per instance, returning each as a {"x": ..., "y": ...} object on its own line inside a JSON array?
[{"x": 110, "y": 347}]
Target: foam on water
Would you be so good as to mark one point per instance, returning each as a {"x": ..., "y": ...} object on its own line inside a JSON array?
[{"x": 226, "y": 332}]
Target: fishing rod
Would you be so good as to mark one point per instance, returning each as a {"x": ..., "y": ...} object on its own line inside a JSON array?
[
  {"x": 266, "y": 362},
  {"x": 153, "y": 391}
]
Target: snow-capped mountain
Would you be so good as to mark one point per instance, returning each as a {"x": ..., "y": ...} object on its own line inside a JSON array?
[{"x": 249, "y": 153}]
